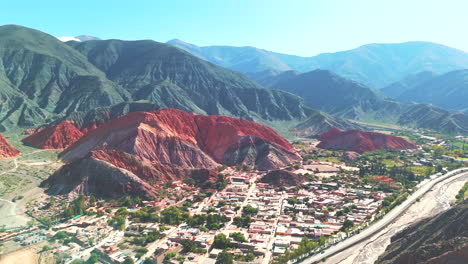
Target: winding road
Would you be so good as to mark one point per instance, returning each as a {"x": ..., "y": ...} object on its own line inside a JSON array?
[{"x": 387, "y": 219}]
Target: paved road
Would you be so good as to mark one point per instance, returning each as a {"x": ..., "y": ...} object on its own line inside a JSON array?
[{"x": 387, "y": 219}]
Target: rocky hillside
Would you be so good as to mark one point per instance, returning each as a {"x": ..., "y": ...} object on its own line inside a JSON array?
[
  {"x": 319, "y": 123},
  {"x": 395, "y": 89},
  {"x": 166, "y": 145},
  {"x": 44, "y": 80},
  {"x": 359, "y": 141},
  {"x": 173, "y": 78},
  {"x": 58, "y": 136},
  {"x": 285, "y": 178},
  {"x": 341, "y": 97},
  {"x": 6, "y": 150},
  {"x": 441, "y": 239},
  {"x": 449, "y": 91}
]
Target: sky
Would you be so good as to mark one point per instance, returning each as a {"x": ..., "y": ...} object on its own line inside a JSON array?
[{"x": 299, "y": 27}]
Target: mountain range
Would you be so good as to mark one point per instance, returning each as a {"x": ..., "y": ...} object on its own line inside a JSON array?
[
  {"x": 44, "y": 79},
  {"x": 375, "y": 65},
  {"x": 340, "y": 97},
  {"x": 449, "y": 90}
]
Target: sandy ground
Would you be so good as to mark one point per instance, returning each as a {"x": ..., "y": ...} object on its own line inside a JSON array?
[
  {"x": 432, "y": 203},
  {"x": 12, "y": 213},
  {"x": 23, "y": 256}
]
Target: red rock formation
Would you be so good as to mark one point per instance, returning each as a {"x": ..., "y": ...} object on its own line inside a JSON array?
[
  {"x": 174, "y": 137},
  {"x": 168, "y": 145},
  {"x": 6, "y": 150},
  {"x": 58, "y": 136},
  {"x": 360, "y": 141}
]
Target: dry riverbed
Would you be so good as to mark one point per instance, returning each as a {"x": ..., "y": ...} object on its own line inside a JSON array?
[{"x": 432, "y": 203}]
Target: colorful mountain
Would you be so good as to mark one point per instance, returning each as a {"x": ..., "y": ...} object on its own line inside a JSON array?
[
  {"x": 6, "y": 150},
  {"x": 57, "y": 136},
  {"x": 166, "y": 145},
  {"x": 360, "y": 141}
]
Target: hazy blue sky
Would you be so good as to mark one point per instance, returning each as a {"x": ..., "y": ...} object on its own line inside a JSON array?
[{"x": 302, "y": 27}]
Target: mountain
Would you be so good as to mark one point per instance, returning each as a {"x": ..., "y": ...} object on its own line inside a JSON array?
[
  {"x": 440, "y": 239},
  {"x": 41, "y": 78},
  {"x": 269, "y": 78},
  {"x": 331, "y": 93},
  {"x": 57, "y": 136},
  {"x": 328, "y": 92},
  {"x": 86, "y": 38},
  {"x": 319, "y": 123},
  {"x": 44, "y": 80},
  {"x": 6, "y": 150},
  {"x": 78, "y": 38},
  {"x": 376, "y": 65},
  {"x": 175, "y": 79},
  {"x": 166, "y": 145},
  {"x": 448, "y": 91},
  {"x": 395, "y": 89},
  {"x": 360, "y": 141},
  {"x": 243, "y": 59}
]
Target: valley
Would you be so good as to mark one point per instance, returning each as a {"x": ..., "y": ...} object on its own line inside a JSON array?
[{"x": 119, "y": 147}]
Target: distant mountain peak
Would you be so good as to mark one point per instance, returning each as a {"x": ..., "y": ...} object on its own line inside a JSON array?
[
  {"x": 66, "y": 38},
  {"x": 87, "y": 37},
  {"x": 79, "y": 38}
]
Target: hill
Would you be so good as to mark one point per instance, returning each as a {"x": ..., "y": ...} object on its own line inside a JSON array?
[
  {"x": 57, "y": 136},
  {"x": 440, "y": 239},
  {"x": 326, "y": 91},
  {"x": 376, "y": 65},
  {"x": 6, "y": 150},
  {"x": 331, "y": 93},
  {"x": 395, "y": 89},
  {"x": 175, "y": 79},
  {"x": 243, "y": 59},
  {"x": 42, "y": 78},
  {"x": 269, "y": 78},
  {"x": 169, "y": 144},
  {"x": 320, "y": 123},
  {"x": 359, "y": 141},
  {"x": 449, "y": 91},
  {"x": 283, "y": 178}
]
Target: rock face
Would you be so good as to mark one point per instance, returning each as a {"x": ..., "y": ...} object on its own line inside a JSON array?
[
  {"x": 58, "y": 136},
  {"x": 359, "y": 141},
  {"x": 285, "y": 178},
  {"x": 441, "y": 239},
  {"x": 320, "y": 122},
  {"x": 175, "y": 137},
  {"x": 167, "y": 145},
  {"x": 6, "y": 150}
]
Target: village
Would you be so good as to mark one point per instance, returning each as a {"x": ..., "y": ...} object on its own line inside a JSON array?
[{"x": 250, "y": 217}]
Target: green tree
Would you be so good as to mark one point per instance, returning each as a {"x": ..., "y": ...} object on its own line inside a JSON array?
[
  {"x": 93, "y": 258},
  {"x": 149, "y": 261},
  {"x": 221, "y": 241},
  {"x": 224, "y": 258},
  {"x": 249, "y": 210},
  {"x": 237, "y": 236},
  {"x": 347, "y": 224},
  {"x": 128, "y": 260}
]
